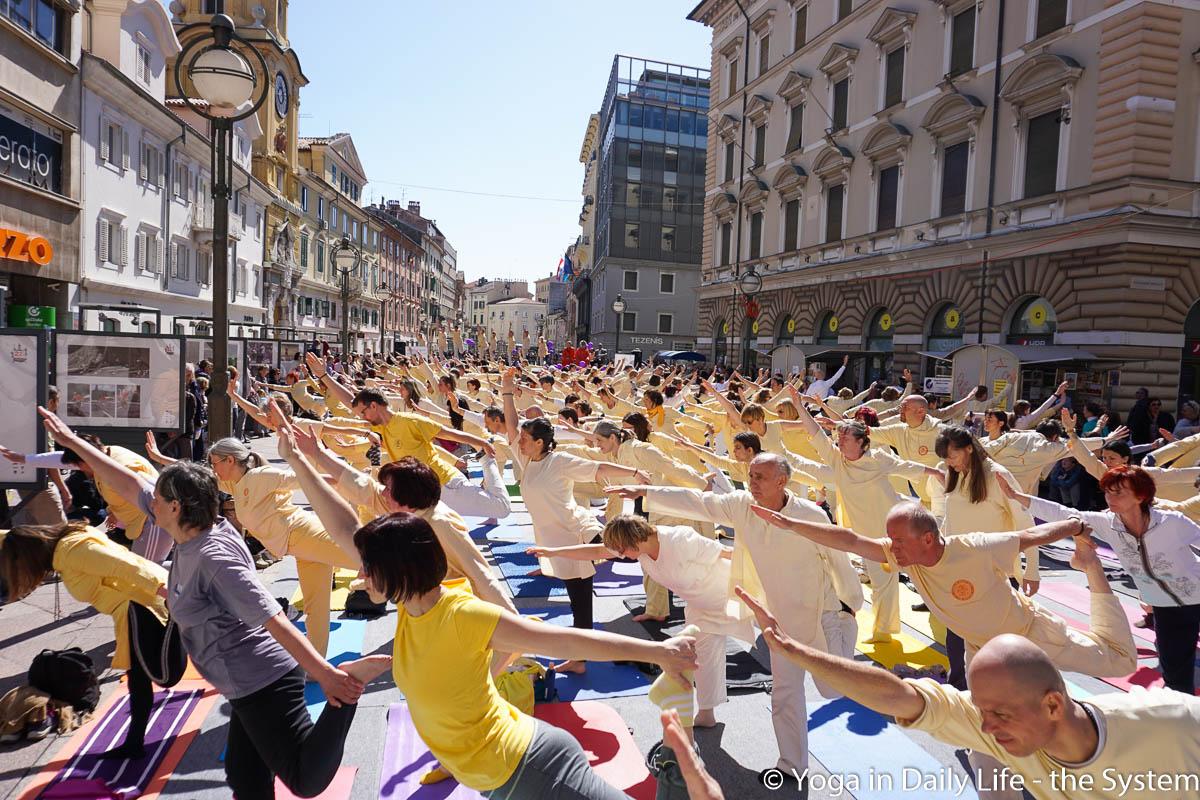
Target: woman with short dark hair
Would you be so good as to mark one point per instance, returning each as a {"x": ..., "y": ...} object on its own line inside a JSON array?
[
  {"x": 237, "y": 636},
  {"x": 475, "y": 734}
]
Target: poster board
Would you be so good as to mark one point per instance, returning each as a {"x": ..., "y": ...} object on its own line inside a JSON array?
[
  {"x": 119, "y": 380},
  {"x": 23, "y": 362},
  {"x": 261, "y": 352},
  {"x": 287, "y": 353},
  {"x": 199, "y": 349},
  {"x": 788, "y": 360},
  {"x": 990, "y": 365}
]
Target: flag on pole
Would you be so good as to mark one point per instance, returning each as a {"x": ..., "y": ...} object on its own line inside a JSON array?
[{"x": 566, "y": 268}]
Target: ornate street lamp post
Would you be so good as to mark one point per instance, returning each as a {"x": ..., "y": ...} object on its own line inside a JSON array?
[
  {"x": 618, "y": 307},
  {"x": 345, "y": 258},
  {"x": 228, "y": 90}
]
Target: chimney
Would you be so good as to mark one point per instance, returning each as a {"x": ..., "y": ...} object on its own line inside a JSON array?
[{"x": 414, "y": 207}]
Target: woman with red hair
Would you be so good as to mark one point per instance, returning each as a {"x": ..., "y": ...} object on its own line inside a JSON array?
[{"x": 1155, "y": 548}]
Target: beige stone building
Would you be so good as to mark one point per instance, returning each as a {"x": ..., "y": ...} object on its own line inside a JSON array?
[{"x": 899, "y": 197}]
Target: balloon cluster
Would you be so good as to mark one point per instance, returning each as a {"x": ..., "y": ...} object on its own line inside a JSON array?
[{"x": 470, "y": 342}]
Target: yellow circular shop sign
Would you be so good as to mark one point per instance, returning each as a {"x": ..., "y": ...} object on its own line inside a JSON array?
[
  {"x": 1037, "y": 315},
  {"x": 953, "y": 318},
  {"x": 725, "y": 329},
  {"x": 833, "y": 323},
  {"x": 754, "y": 327},
  {"x": 885, "y": 322},
  {"x": 791, "y": 326}
]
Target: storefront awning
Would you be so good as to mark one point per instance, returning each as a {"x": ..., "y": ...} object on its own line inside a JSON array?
[{"x": 1030, "y": 354}]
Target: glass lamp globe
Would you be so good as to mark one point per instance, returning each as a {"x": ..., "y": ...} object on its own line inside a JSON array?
[
  {"x": 222, "y": 77},
  {"x": 750, "y": 283}
]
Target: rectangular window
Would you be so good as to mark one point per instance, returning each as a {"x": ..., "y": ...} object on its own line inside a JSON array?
[
  {"x": 834, "y": 198},
  {"x": 666, "y": 323},
  {"x": 629, "y": 282},
  {"x": 304, "y": 198},
  {"x": 841, "y": 99},
  {"x": 893, "y": 91},
  {"x": 795, "y": 127},
  {"x": 304, "y": 250},
  {"x": 726, "y": 241},
  {"x": 764, "y": 54},
  {"x": 729, "y": 161},
  {"x": 667, "y": 241},
  {"x": 844, "y": 7},
  {"x": 760, "y": 145},
  {"x": 308, "y": 306},
  {"x": 320, "y": 257},
  {"x": 632, "y": 233},
  {"x": 629, "y": 322},
  {"x": 671, "y": 160},
  {"x": 731, "y": 78},
  {"x": 756, "y": 229},
  {"x": 666, "y": 283},
  {"x": 321, "y": 208},
  {"x": 142, "y": 66},
  {"x": 800, "y": 29},
  {"x": 889, "y": 190},
  {"x": 670, "y": 193},
  {"x": 791, "y": 225},
  {"x": 1051, "y": 15},
  {"x": 333, "y": 217},
  {"x": 954, "y": 178},
  {"x": 1041, "y": 154},
  {"x": 962, "y": 41}
]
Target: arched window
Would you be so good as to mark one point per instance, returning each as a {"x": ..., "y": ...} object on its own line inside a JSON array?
[
  {"x": 1034, "y": 322},
  {"x": 787, "y": 331},
  {"x": 945, "y": 329},
  {"x": 148, "y": 327},
  {"x": 110, "y": 325},
  {"x": 879, "y": 333},
  {"x": 1191, "y": 325},
  {"x": 827, "y": 329},
  {"x": 720, "y": 341}
]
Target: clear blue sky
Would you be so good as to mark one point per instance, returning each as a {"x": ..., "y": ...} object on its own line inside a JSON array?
[{"x": 479, "y": 96}]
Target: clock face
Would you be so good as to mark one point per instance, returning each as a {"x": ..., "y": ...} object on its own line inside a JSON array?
[{"x": 281, "y": 95}]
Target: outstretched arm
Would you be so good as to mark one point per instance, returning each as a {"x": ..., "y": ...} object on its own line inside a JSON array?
[
  {"x": 339, "y": 392},
  {"x": 153, "y": 452},
  {"x": 875, "y": 688},
  {"x": 124, "y": 482},
  {"x": 508, "y": 385},
  {"x": 831, "y": 536}
]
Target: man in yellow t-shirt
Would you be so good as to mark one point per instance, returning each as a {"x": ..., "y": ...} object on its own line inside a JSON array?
[
  {"x": 1134, "y": 746},
  {"x": 964, "y": 581}
]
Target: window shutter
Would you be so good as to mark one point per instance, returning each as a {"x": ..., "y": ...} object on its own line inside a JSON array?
[
  {"x": 154, "y": 252},
  {"x": 123, "y": 232},
  {"x": 175, "y": 261},
  {"x": 104, "y": 153},
  {"x": 143, "y": 162},
  {"x": 141, "y": 66},
  {"x": 124, "y": 149},
  {"x": 160, "y": 168},
  {"x": 139, "y": 251},
  {"x": 102, "y": 255}
]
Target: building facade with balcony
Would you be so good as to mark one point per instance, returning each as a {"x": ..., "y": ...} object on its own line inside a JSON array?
[
  {"x": 900, "y": 197},
  {"x": 520, "y": 316},
  {"x": 147, "y": 237},
  {"x": 274, "y": 150},
  {"x": 332, "y": 178},
  {"x": 650, "y": 144}
]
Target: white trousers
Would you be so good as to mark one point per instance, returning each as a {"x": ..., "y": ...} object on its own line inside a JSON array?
[
  {"x": 487, "y": 500},
  {"x": 789, "y": 709},
  {"x": 710, "y": 674}
]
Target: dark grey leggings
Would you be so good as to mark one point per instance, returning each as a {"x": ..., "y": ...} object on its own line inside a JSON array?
[{"x": 554, "y": 768}]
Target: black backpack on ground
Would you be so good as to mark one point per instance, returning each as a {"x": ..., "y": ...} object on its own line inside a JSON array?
[{"x": 68, "y": 676}]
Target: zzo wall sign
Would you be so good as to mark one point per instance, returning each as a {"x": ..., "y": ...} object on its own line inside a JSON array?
[{"x": 18, "y": 246}]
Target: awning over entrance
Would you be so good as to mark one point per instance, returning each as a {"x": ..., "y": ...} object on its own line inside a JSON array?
[{"x": 1030, "y": 354}]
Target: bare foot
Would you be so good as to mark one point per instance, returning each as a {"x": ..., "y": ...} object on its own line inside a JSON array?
[
  {"x": 366, "y": 669},
  {"x": 577, "y": 667},
  {"x": 650, "y": 617},
  {"x": 881, "y": 638},
  {"x": 707, "y": 718},
  {"x": 534, "y": 573}
]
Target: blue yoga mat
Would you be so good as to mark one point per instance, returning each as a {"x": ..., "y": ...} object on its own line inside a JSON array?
[
  {"x": 603, "y": 679},
  {"x": 514, "y": 563},
  {"x": 839, "y": 733}
]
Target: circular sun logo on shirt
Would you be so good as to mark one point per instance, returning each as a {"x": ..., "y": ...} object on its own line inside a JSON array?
[
  {"x": 963, "y": 590},
  {"x": 923, "y": 450}
]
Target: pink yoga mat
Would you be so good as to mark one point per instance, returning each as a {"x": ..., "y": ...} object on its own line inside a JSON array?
[
  {"x": 339, "y": 789},
  {"x": 1072, "y": 595}
]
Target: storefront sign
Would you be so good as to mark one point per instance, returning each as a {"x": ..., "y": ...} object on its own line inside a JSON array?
[
  {"x": 17, "y": 246},
  {"x": 32, "y": 316},
  {"x": 656, "y": 340},
  {"x": 30, "y": 152},
  {"x": 938, "y": 385}
]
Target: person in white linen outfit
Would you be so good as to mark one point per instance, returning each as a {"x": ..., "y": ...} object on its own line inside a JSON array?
[
  {"x": 697, "y": 569},
  {"x": 548, "y": 485},
  {"x": 822, "y": 615}
]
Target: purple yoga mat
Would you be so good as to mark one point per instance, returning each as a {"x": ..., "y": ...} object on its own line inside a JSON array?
[
  {"x": 406, "y": 759},
  {"x": 130, "y": 778},
  {"x": 1077, "y": 597},
  {"x": 617, "y": 579}
]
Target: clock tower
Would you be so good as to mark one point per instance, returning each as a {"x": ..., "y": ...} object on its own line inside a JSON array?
[{"x": 275, "y": 160}]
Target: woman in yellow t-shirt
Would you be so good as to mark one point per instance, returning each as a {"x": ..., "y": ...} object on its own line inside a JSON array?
[
  {"x": 441, "y": 662},
  {"x": 97, "y": 571}
]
